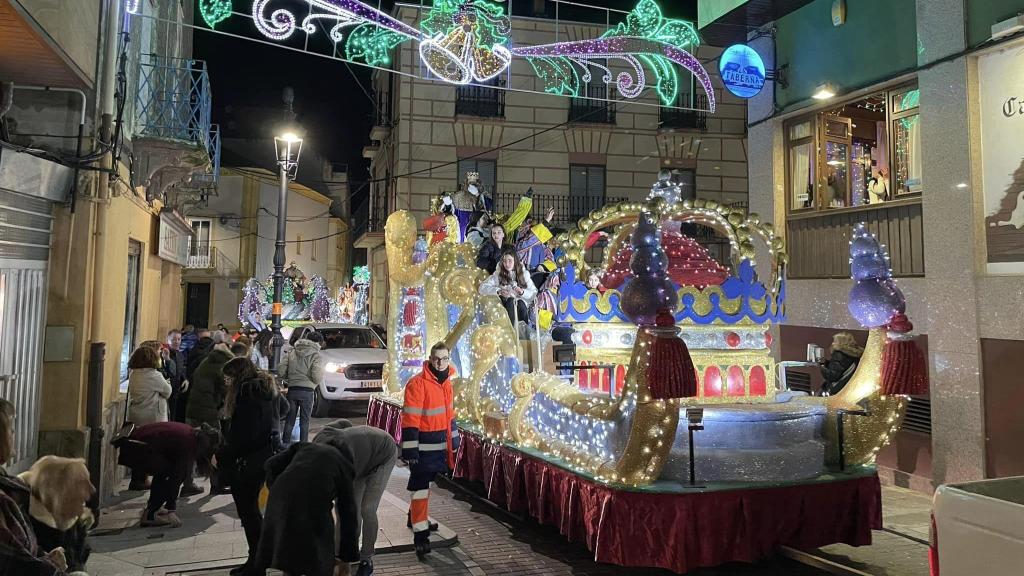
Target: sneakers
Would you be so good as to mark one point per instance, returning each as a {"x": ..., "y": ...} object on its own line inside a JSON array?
[
  {"x": 162, "y": 518},
  {"x": 191, "y": 490},
  {"x": 365, "y": 568}
]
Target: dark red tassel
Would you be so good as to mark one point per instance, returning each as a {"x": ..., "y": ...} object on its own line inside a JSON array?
[
  {"x": 904, "y": 370},
  {"x": 670, "y": 373}
]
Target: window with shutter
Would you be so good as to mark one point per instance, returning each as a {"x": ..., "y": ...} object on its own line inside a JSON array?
[{"x": 586, "y": 189}]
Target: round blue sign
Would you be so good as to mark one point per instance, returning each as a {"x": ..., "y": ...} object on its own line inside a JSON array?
[{"x": 742, "y": 70}]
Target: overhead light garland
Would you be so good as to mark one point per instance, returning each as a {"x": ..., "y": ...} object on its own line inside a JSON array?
[
  {"x": 214, "y": 11},
  {"x": 466, "y": 41}
]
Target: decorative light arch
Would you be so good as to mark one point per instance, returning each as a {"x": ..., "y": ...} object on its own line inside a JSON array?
[{"x": 466, "y": 41}]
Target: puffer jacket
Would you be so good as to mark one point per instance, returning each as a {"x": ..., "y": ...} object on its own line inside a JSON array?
[
  {"x": 302, "y": 367},
  {"x": 208, "y": 391}
]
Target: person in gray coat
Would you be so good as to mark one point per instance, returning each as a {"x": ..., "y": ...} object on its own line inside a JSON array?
[
  {"x": 374, "y": 453},
  {"x": 302, "y": 371}
]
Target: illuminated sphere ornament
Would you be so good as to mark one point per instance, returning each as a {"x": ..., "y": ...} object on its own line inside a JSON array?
[
  {"x": 650, "y": 289},
  {"x": 874, "y": 299}
]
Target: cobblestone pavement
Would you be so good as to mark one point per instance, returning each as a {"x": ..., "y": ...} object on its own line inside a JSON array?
[{"x": 492, "y": 542}]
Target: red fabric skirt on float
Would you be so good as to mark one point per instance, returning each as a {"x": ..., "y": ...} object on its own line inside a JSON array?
[{"x": 678, "y": 531}]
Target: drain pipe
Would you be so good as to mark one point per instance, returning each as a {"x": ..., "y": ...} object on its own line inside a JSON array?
[{"x": 95, "y": 385}]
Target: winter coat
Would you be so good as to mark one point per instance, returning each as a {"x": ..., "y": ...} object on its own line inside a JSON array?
[
  {"x": 196, "y": 355},
  {"x": 20, "y": 552},
  {"x": 256, "y": 420},
  {"x": 302, "y": 367},
  {"x": 489, "y": 254},
  {"x": 492, "y": 285},
  {"x": 837, "y": 371},
  {"x": 429, "y": 434},
  {"x": 174, "y": 369},
  {"x": 371, "y": 447},
  {"x": 208, "y": 390},
  {"x": 147, "y": 396},
  {"x": 306, "y": 482},
  {"x": 171, "y": 448}
]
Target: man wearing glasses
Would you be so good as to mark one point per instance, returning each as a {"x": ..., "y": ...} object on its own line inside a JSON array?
[{"x": 429, "y": 436}]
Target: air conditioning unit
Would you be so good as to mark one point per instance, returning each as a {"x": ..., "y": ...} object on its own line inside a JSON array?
[{"x": 1008, "y": 27}]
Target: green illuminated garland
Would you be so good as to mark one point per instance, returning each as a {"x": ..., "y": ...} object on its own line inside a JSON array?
[
  {"x": 372, "y": 44},
  {"x": 560, "y": 75},
  {"x": 214, "y": 11}
]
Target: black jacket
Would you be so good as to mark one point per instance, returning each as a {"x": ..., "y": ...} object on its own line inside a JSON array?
[
  {"x": 837, "y": 371},
  {"x": 298, "y": 530},
  {"x": 256, "y": 419},
  {"x": 489, "y": 254},
  {"x": 196, "y": 355},
  {"x": 174, "y": 369}
]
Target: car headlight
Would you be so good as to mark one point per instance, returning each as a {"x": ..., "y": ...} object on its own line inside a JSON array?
[{"x": 336, "y": 368}]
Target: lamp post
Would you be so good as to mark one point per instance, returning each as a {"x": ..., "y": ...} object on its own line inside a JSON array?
[{"x": 287, "y": 147}]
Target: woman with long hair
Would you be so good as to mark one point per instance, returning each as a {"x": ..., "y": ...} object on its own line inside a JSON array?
[
  {"x": 492, "y": 249},
  {"x": 255, "y": 408},
  {"x": 512, "y": 284}
]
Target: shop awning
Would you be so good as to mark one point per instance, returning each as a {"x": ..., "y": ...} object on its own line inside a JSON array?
[{"x": 726, "y": 22}]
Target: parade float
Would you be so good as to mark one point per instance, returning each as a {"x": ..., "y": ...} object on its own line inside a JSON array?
[
  {"x": 305, "y": 301},
  {"x": 612, "y": 469}
]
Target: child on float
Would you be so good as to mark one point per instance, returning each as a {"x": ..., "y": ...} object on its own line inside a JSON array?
[{"x": 512, "y": 284}]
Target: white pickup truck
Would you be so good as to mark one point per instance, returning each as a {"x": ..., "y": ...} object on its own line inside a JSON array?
[{"x": 978, "y": 528}]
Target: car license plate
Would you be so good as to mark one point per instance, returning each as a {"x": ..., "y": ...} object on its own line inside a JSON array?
[{"x": 371, "y": 383}]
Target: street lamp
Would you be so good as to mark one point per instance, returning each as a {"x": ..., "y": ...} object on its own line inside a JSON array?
[{"x": 287, "y": 147}]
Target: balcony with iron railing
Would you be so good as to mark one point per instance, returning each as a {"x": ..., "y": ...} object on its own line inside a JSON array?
[
  {"x": 593, "y": 107},
  {"x": 171, "y": 124},
  {"x": 569, "y": 209},
  {"x": 683, "y": 118},
  {"x": 480, "y": 101}
]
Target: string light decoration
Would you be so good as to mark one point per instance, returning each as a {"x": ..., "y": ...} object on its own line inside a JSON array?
[
  {"x": 466, "y": 41},
  {"x": 214, "y": 11},
  {"x": 627, "y": 439}
]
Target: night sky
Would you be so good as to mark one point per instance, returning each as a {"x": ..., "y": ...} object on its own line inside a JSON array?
[{"x": 331, "y": 106}]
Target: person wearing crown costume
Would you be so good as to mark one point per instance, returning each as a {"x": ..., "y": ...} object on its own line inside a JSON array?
[{"x": 467, "y": 200}]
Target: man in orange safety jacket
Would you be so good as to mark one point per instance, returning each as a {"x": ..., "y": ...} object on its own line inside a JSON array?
[{"x": 429, "y": 436}]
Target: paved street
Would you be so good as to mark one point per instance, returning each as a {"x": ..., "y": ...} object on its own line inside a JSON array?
[{"x": 490, "y": 541}]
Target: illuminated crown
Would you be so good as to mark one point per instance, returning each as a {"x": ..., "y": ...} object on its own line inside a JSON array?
[{"x": 739, "y": 297}]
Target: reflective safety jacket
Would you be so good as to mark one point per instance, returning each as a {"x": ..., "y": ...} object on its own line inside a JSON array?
[{"x": 429, "y": 435}]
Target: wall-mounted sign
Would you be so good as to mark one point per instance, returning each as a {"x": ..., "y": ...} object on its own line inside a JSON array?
[
  {"x": 742, "y": 70},
  {"x": 1001, "y": 87}
]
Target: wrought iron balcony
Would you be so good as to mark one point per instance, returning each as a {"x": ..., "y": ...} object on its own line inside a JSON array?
[
  {"x": 678, "y": 118},
  {"x": 172, "y": 100},
  {"x": 170, "y": 127},
  {"x": 593, "y": 108},
  {"x": 480, "y": 101}
]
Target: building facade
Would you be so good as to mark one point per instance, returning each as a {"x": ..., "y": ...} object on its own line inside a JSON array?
[
  {"x": 92, "y": 261},
  {"x": 576, "y": 153},
  {"x": 910, "y": 121},
  {"x": 233, "y": 240}
]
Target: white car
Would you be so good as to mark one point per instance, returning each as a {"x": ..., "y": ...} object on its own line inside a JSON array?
[{"x": 353, "y": 358}]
